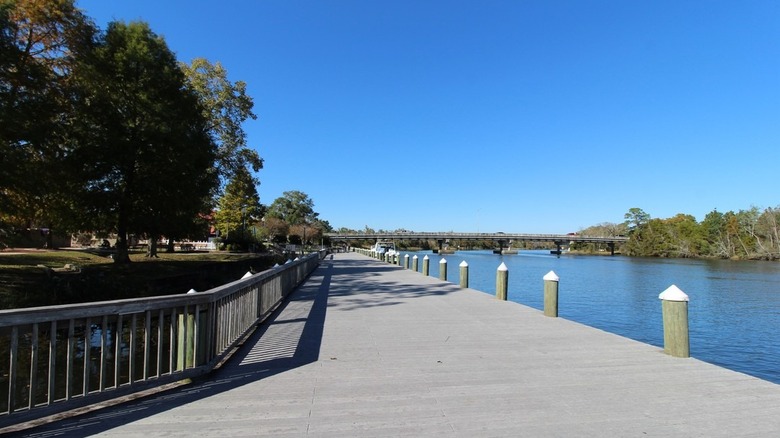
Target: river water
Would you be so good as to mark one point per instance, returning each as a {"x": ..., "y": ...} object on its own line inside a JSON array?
[{"x": 733, "y": 313}]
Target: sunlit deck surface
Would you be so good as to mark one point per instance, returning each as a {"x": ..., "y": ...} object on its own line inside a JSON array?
[{"x": 369, "y": 349}]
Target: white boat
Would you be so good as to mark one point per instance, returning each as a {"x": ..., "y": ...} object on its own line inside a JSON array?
[{"x": 382, "y": 247}]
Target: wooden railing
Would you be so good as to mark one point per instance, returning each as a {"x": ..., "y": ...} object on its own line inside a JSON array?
[{"x": 57, "y": 358}]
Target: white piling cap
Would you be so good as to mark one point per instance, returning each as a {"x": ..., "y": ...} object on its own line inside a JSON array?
[
  {"x": 463, "y": 264},
  {"x": 415, "y": 257},
  {"x": 443, "y": 260},
  {"x": 551, "y": 276},
  {"x": 276, "y": 265},
  {"x": 502, "y": 267},
  {"x": 247, "y": 275},
  {"x": 673, "y": 293},
  {"x": 406, "y": 256},
  {"x": 425, "y": 258},
  {"x": 192, "y": 291}
]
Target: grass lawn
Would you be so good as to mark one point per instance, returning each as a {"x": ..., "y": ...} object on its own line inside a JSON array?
[{"x": 24, "y": 282}]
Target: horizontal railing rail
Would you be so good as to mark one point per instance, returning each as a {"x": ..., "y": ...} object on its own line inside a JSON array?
[{"x": 57, "y": 358}]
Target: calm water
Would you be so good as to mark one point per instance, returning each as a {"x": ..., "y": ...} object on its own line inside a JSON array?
[{"x": 734, "y": 308}]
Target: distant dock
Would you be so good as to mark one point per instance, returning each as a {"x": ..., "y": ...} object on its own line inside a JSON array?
[{"x": 365, "y": 348}]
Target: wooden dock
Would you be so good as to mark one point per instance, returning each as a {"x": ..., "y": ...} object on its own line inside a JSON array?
[{"x": 370, "y": 349}]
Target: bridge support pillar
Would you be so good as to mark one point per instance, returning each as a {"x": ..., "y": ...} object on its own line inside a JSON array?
[{"x": 611, "y": 246}]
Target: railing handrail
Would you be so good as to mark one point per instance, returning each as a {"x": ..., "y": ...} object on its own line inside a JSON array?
[{"x": 197, "y": 329}]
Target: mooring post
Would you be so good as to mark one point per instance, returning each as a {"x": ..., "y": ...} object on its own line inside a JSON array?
[
  {"x": 406, "y": 261},
  {"x": 398, "y": 259},
  {"x": 443, "y": 269},
  {"x": 426, "y": 266},
  {"x": 464, "y": 274},
  {"x": 414, "y": 263},
  {"x": 674, "y": 306},
  {"x": 551, "y": 294},
  {"x": 502, "y": 281}
]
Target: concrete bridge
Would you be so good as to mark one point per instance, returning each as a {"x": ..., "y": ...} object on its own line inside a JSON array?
[{"x": 502, "y": 239}]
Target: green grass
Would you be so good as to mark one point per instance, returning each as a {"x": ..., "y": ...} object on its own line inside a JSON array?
[{"x": 24, "y": 283}]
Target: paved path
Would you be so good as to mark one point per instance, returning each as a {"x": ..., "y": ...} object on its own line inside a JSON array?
[{"x": 368, "y": 349}]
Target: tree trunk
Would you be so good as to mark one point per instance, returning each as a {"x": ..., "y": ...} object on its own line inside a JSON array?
[
  {"x": 152, "y": 251},
  {"x": 170, "y": 247},
  {"x": 121, "y": 255}
]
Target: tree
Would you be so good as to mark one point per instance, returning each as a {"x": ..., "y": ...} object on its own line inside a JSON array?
[
  {"x": 39, "y": 44},
  {"x": 636, "y": 218},
  {"x": 226, "y": 106},
  {"x": 141, "y": 146},
  {"x": 713, "y": 228},
  {"x": 239, "y": 206},
  {"x": 686, "y": 235},
  {"x": 293, "y": 207}
]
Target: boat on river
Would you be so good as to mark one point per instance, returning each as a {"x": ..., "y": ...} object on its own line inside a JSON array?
[{"x": 382, "y": 247}]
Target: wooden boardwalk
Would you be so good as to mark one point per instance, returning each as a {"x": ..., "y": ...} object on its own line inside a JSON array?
[{"x": 369, "y": 349}]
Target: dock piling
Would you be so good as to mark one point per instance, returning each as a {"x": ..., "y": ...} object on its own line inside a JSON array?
[
  {"x": 426, "y": 266},
  {"x": 674, "y": 307},
  {"x": 464, "y": 274},
  {"x": 551, "y": 294},
  {"x": 443, "y": 269},
  {"x": 502, "y": 281}
]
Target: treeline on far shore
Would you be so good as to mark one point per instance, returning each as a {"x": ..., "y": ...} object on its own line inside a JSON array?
[{"x": 752, "y": 234}]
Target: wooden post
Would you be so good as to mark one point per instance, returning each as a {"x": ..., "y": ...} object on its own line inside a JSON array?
[
  {"x": 464, "y": 274},
  {"x": 186, "y": 341},
  {"x": 551, "y": 294},
  {"x": 406, "y": 261},
  {"x": 674, "y": 306},
  {"x": 426, "y": 266},
  {"x": 443, "y": 269},
  {"x": 502, "y": 281},
  {"x": 414, "y": 263}
]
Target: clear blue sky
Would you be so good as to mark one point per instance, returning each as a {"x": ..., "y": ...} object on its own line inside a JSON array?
[{"x": 528, "y": 116}]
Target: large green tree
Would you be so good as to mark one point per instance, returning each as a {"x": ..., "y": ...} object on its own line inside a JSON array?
[
  {"x": 142, "y": 147},
  {"x": 294, "y": 207},
  {"x": 226, "y": 107},
  {"x": 39, "y": 44}
]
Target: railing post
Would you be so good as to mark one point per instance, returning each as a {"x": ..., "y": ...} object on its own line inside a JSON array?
[
  {"x": 414, "y": 263},
  {"x": 551, "y": 294},
  {"x": 186, "y": 341},
  {"x": 426, "y": 266},
  {"x": 443, "y": 269},
  {"x": 464, "y": 274},
  {"x": 502, "y": 281},
  {"x": 674, "y": 306}
]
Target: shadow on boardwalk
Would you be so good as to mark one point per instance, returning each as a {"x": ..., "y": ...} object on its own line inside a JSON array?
[{"x": 289, "y": 339}]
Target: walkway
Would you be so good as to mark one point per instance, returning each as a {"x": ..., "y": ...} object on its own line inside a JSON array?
[{"x": 368, "y": 349}]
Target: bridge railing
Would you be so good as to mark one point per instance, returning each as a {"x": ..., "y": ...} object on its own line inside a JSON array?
[
  {"x": 57, "y": 358},
  {"x": 411, "y": 235}
]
